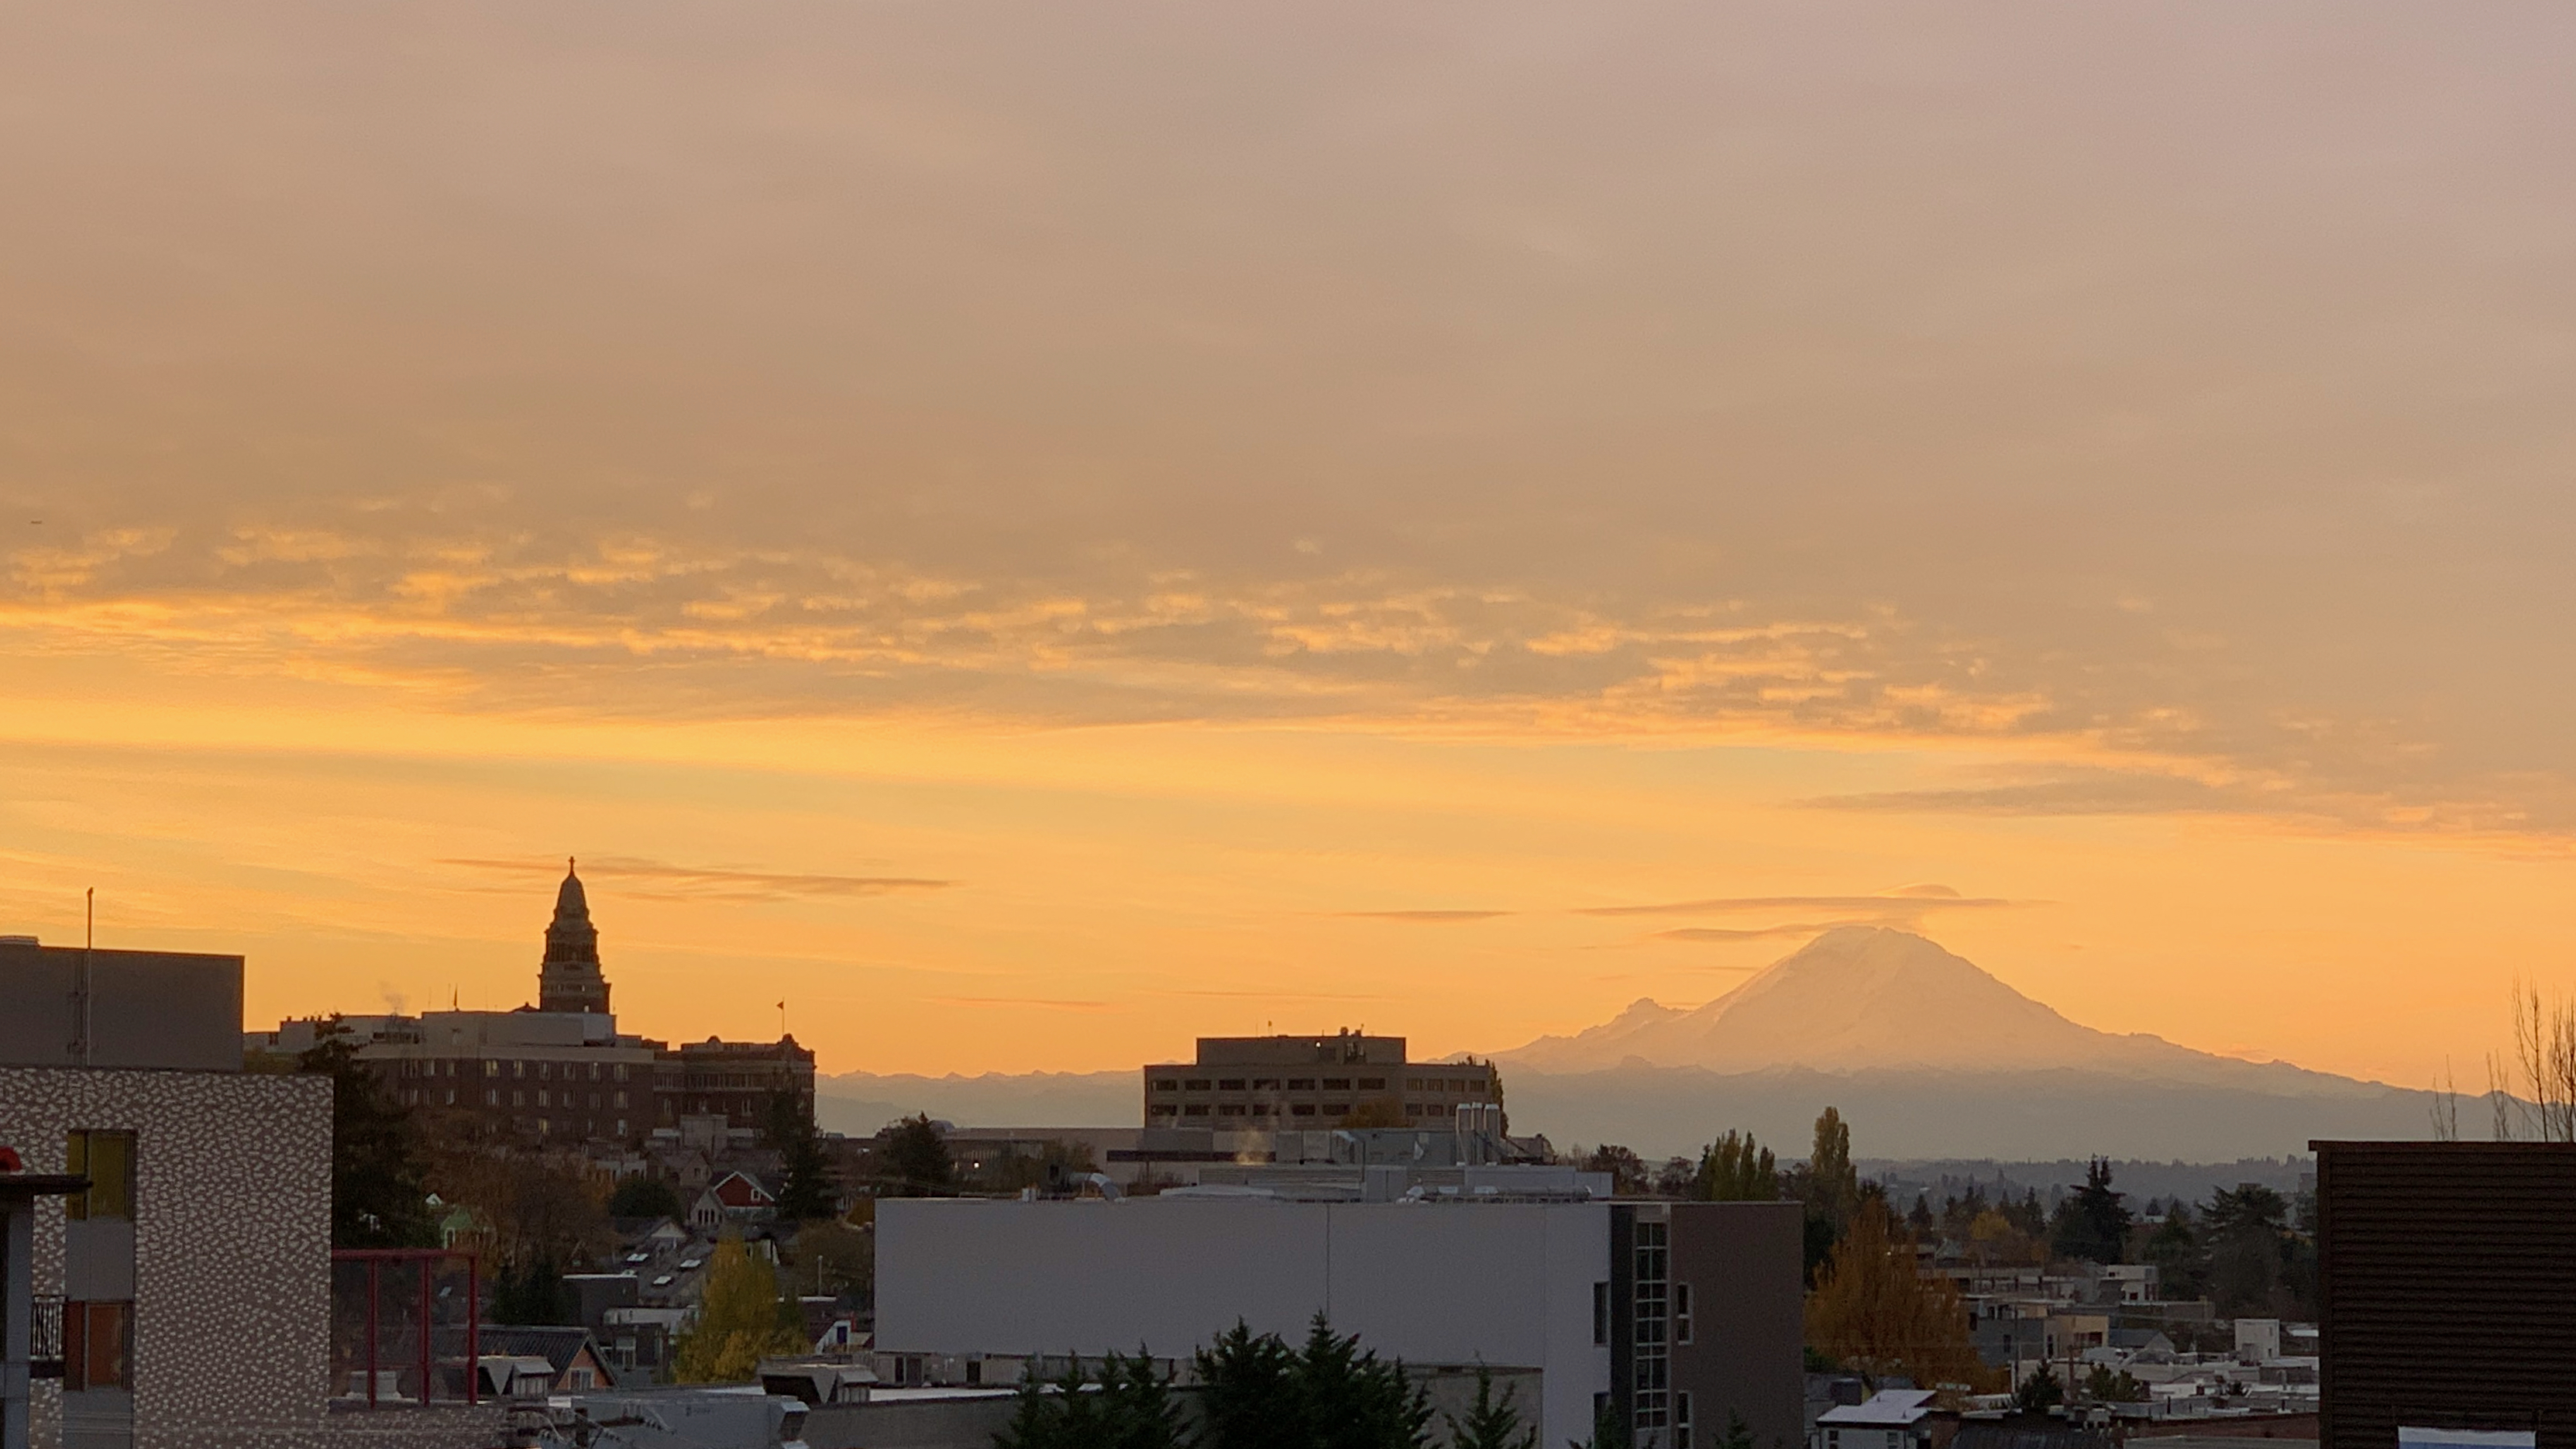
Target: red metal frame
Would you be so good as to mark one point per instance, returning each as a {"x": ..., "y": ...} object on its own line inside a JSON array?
[{"x": 375, "y": 1259}]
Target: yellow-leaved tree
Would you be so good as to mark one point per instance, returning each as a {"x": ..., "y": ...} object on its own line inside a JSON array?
[
  {"x": 741, "y": 1318},
  {"x": 1873, "y": 1311}
]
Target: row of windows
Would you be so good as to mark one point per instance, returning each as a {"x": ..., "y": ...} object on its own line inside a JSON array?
[
  {"x": 1681, "y": 1312},
  {"x": 1269, "y": 1084},
  {"x": 1294, "y": 1109},
  {"x": 435, "y": 1097},
  {"x": 572, "y": 1071}
]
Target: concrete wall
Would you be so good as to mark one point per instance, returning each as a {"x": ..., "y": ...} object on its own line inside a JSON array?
[
  {"x": 147, "y": 1008},
  {"x": 1507, "y": 1283},
  {"x": 1743, "y": 1261}
]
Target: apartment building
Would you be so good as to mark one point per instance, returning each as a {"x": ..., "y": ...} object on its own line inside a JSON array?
[
  {"x": 1304, "y": 1082},
  {"x": 167, "y": 1245},
  {"x": 2446, "y": 1294}
]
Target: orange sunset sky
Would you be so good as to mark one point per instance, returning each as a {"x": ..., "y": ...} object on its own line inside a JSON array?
[{"x": 1035, "y": 532}]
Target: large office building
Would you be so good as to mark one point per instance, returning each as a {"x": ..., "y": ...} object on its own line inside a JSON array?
[
  {"x": 2446, "y": 1293},
  {"x": 1676, "y": 1318},
  {"x": 559, "y": 1071},
  {"x": 1289, "y": 1083}
]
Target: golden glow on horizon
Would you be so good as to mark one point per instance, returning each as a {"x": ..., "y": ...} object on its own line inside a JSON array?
[{"x": 1036, "y": 534}]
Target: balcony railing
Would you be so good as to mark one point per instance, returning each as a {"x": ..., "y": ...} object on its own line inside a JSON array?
[{"x": 45, "y": 1340}]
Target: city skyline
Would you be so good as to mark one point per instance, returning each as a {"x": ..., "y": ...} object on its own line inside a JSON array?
[{"x": 1034, "y": 538}]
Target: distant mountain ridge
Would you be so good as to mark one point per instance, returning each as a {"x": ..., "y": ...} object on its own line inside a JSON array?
[
  {"x": 1864, "y": 998},
  {"x": 1923, "y": 1052}
]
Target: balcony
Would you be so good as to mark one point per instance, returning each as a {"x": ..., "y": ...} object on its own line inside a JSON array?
[{"x": 45, "y": 1340}]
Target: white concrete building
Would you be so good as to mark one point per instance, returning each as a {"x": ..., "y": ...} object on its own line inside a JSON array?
[{"x": 1676, "y": 1315}]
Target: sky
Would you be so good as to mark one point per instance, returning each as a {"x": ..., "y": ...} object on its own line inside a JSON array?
[{"x": 1035, "y": 532}]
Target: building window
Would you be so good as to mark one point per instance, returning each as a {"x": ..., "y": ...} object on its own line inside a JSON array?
[
  {"x": 491, "y": 1096},
  {"x": 1337, "y": 1109},
  {"x": 1302, "y": 1109},
  {"x": 621, "y": 1126},
  {"x": 621, "y": 1100},
  {"x": 1337, "y": 1084},
  {"x": 1229, "y": 1110},
  {"x": 1372, "y": 1084},
  {"x": 580, "y": 1378},
  {"x": 1413, "y": 1084},
  {"x": 594, "y": 1071},
  {"x": 107, "y": 1160},
  {"x": 1681, "y": 1313},
  {"x": 1681, "y": 1420},
  {"x": 1195, "y": 1109},
  {"x": 1601, "y": 1313},
  {"x": 1652, "y": 1258},
  {"x": 1197, "y": 1084},
  {"x": 621, "y": 1071},
  {"x": 1229, "y": 1084},
  {"x": 491, "y": 1069},
  {"x": 545, "y": 1070},
  {"x": 1301, "y": 1084},
  {"x": 98, "y": 1346},
  {"x": 518, "y": 1099},
  {"x": 518, "y": 1068},
  {"x": 451, "y": 1096},
  {"x": 1167, "y": 1084},
  {"x": 1162, "y": 1109}
]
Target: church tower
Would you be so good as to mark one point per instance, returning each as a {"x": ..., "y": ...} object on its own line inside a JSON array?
[{"x": 570, "y": 979}]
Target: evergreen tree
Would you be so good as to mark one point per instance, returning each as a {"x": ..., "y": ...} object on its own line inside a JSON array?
[
  {"x": 916, "y": 1161},
  {"x": 1137, "y": 1406},
  {"x": 2091, "y": 1222},
  {"x": 533, "y": 1292},
  {"x": 1608, "y": 1431},
  {"x": 1037, "y": 1419},
  {"x": 1354, "y": 1401},
  {"x": 809, "y": 1193},
  {"x": 1921, "y": 1221},
  {"x": 1257, "y": 1393},
  {"x": 379, "y": 1194},
  {"x": 1248, "y": 1395},
  {"x": 645, "y": 1197},
  {"x": 2175, "y": 1250},
  {"x": 2250, "y": 1247},
  {"x": 2039, "y": 1393},
  {"x": 1738, "y": 1435},
  {"x": 1490, "y": 1423}
]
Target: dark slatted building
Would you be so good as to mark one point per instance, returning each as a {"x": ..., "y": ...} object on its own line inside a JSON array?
[{"x": 2448, "y": 1289}]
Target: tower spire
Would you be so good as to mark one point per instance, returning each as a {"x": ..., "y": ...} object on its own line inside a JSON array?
[{"x": 570, "y": 978}]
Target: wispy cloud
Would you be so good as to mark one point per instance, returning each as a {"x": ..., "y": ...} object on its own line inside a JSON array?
[
  {"x": 1793, "y": 930},
  {"x": 727, "y": 883},
  {"x": 1912, "y": 902},
  {"x": 1278, "y": 995},
  {"x": 1429, "y": 917},
  {"x": 1041, "y": 1003}
]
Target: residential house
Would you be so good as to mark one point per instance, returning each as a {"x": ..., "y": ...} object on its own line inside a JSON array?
[{"x": 1888, "y": 1419}]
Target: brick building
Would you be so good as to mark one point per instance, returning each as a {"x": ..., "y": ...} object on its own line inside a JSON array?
[
  {"x": 1287, "y": 1082},
  {"x": 560, "y": 1071}
]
